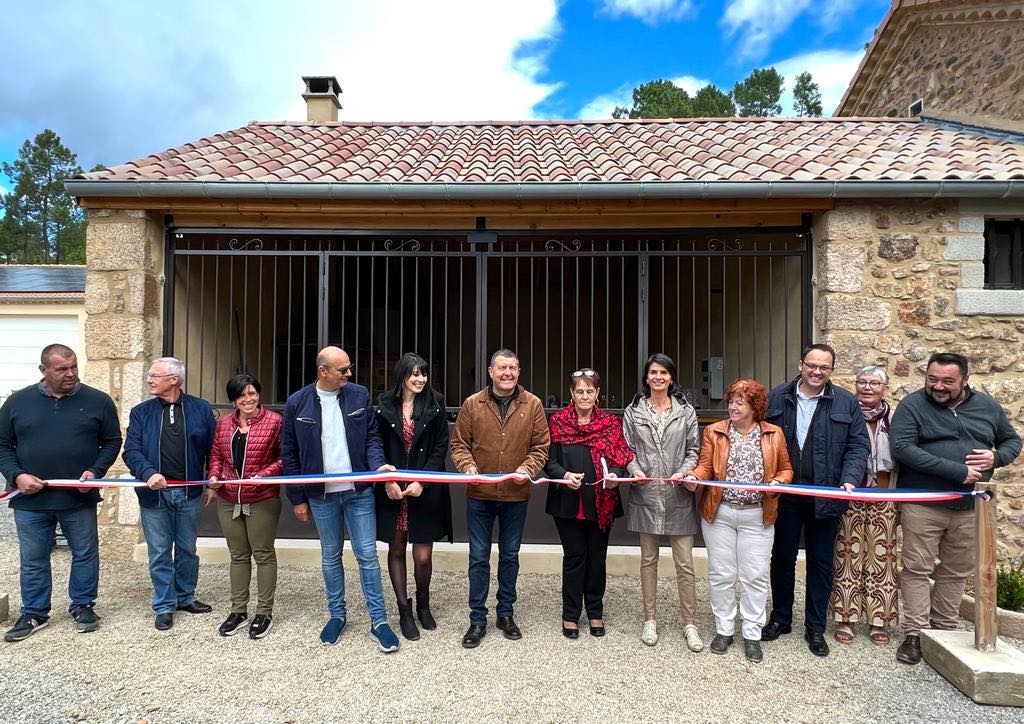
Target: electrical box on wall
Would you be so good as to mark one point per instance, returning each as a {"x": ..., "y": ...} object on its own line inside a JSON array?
[{"x": 712, "y": 372}]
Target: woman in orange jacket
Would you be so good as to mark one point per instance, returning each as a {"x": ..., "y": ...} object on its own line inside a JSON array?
[{"x": 739, "y": 525}]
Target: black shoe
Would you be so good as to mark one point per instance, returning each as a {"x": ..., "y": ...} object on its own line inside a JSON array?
[
  {"x": 163, "y": 621},
  {"x": 231, "y": 624},
  {"x": 423, "y": 610},
  {"x": 508, "y": 627},
  {"x": 909, "y": 651},
  {"x": 720, "y": 644},
  {"x": 26, "y": 625},
  {"x": 473, "y": 635},
  {"x": 570, "y": 633},
  {"x": 774, "y": 629},
  {"x": 816, "y": 643},
  {"x": 196, "y": 606},
  {"x": 406, "y": 621},
  {"x": 597, "y": 631},
  {"x": 86, "y": 619},
  {"x": 260, "y": 625},
  {"x": 752, "y": 650}
]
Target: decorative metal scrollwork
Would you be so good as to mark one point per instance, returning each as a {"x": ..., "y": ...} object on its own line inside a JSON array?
[
  {"x": 559, "y": 245},
  {"x": 252, "y": 244},
  {"x": 723, "y": 245},
  {"x": 407, "y": 245}
]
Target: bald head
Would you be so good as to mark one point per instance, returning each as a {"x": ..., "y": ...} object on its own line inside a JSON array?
[{"x": 333, "y": 369}]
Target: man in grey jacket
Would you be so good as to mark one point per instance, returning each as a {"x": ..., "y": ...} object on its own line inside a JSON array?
[{"x": 945, "y": 436}]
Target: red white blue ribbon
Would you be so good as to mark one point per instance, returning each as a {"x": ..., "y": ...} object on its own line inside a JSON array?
[
  {"x": 865, "y": 495},
  {"x": 895, "y": 495}
]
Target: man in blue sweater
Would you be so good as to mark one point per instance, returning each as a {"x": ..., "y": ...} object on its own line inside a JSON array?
[
  {"x": 57, "y": 429},
  {"x": 946, "y": 436}
]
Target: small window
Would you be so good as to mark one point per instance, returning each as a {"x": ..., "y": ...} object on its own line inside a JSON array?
[{"x": 1004, "y": 254}]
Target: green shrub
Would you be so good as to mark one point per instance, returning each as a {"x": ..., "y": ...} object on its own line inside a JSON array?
[{"x": 1010, "y": 585}]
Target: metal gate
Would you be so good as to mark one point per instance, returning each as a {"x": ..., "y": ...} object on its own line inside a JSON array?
[{"x": 723, "y": 303}]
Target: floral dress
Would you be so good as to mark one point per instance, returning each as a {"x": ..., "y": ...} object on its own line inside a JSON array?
[{"x": 408, "y": 428}]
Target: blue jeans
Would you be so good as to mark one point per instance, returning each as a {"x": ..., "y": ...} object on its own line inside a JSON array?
[
  {"x": 170, "y": 530},
  {"x": 355, "y": 509},
  {"x": 480, "y": 517},
  {"x": 36, "y": 538}
]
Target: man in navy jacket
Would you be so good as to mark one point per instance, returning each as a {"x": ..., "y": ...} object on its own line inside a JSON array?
[
  {"x": 330, "y": 427},
  {"x": 828, "y": 445},
  {"x": 169, "y": 438}
]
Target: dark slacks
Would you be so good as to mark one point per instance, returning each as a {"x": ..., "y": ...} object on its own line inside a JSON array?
[
  {"x": 796, "y": 514},
  {"x": 585, "y": 553}
]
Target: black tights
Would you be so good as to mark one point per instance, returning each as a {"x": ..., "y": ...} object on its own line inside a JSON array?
[{"x": 423, "y": 566}]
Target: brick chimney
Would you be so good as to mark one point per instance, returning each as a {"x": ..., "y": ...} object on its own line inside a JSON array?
[{"x": 321, "y": 97}]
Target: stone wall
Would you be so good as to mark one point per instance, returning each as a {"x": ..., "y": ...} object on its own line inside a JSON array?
[
  {"x": 886, "y": 287},
  {"x": 957, "y": 65},
  {"x": 124, "y": 303}
]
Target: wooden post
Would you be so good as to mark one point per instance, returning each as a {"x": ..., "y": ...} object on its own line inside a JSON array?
[{"x": 985, "y": 628}]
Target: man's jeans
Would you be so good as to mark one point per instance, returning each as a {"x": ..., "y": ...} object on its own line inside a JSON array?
[
  {"x": 480, "y": 517},
  {"x": 355, "y": 507},
  {"x": 170, "y": 530},
  {"x": 36, "y": 538}
]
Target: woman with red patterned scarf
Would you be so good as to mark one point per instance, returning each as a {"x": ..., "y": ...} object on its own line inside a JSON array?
[{"x": 581, "y": 435}]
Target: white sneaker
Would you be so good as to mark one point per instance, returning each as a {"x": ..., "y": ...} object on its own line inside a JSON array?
[
  {"x": 650, "y": 633},
  {"x": 693, "y": 641}
]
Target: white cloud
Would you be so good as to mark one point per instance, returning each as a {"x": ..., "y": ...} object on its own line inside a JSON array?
[
  {"x": 832, "y": 70},
  {"x": 119, "y": 80},
  {"x": 651, "y": 12},
  {"x": 756, "y": 23},
  {"x": 601, "y": 107}
]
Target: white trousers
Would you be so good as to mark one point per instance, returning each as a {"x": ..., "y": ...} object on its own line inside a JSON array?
[{"x": 739, "y": 548}]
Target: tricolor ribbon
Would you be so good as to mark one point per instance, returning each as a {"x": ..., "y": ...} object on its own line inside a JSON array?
[
  {"x": 866, "y": 495},
  {"x": 397, "y": 476}
]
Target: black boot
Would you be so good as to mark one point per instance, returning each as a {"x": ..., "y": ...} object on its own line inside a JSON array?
[
  {"x": 423, "y": 610},
  {"x": 406, "y": 621}
]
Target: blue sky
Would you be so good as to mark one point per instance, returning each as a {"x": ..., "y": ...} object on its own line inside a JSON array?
[{"x": 119, "y": 79}]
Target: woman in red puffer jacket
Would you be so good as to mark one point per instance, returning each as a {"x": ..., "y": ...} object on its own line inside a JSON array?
[{"x": 247, "y": 444}]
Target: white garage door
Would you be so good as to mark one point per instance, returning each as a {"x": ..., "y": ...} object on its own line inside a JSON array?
[{"x": 22, "y": 338}]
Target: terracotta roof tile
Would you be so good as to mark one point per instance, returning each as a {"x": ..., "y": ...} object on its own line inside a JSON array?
[{"x": 731, "y": 149}]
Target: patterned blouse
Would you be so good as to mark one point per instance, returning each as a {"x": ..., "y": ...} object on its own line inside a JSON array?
[
  {"x": 658, "y": 419},
  {"x": 745, "y": 464}
]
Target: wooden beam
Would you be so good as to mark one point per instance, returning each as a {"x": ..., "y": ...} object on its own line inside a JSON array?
[{"x": 503, "y": 222}]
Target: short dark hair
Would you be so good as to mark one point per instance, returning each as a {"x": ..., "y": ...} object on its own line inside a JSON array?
[
  {"x": 950, "y": 358},
  {"x": 51, "y": 350},
  {"x": 660, "y": 358},
  {"x": 237, "y": 383},
  {"x": 503, "y": 352},
  {"x": 821, "y": 347}
]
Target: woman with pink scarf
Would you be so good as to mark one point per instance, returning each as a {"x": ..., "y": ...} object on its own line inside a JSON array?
[{"x": 865, "y": 588}]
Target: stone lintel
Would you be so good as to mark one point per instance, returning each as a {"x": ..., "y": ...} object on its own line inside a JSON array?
[
  {"x": 991, "y": 677},
  {"x": 989, "y": 301}
]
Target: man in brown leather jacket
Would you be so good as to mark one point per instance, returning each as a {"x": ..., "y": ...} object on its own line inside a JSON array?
[{"x": 500, "y": 429}]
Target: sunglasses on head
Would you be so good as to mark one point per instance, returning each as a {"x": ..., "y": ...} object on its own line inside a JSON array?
[{"x": 584, "y": 373}]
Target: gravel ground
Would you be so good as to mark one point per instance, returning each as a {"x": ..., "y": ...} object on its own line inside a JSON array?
[{"x": 127, "y": 671}]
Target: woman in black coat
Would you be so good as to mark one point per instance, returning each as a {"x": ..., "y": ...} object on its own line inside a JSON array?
[{"x": 414, "y": 429}]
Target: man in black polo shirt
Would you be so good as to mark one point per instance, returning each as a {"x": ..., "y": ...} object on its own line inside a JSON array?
[{"x": 56, "y": 429}]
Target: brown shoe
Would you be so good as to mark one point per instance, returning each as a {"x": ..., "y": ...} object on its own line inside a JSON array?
[{"x": 909, "y": 651}]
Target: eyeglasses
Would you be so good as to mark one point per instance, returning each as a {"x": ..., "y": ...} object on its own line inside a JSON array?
[
  {"x": 871, "y": 384},
  {"x": 341, "y": 370},
  {"x": 817, "y": 368},
  {"x": 151, "y": 376},
  {"x": 584, "y": 373}
]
